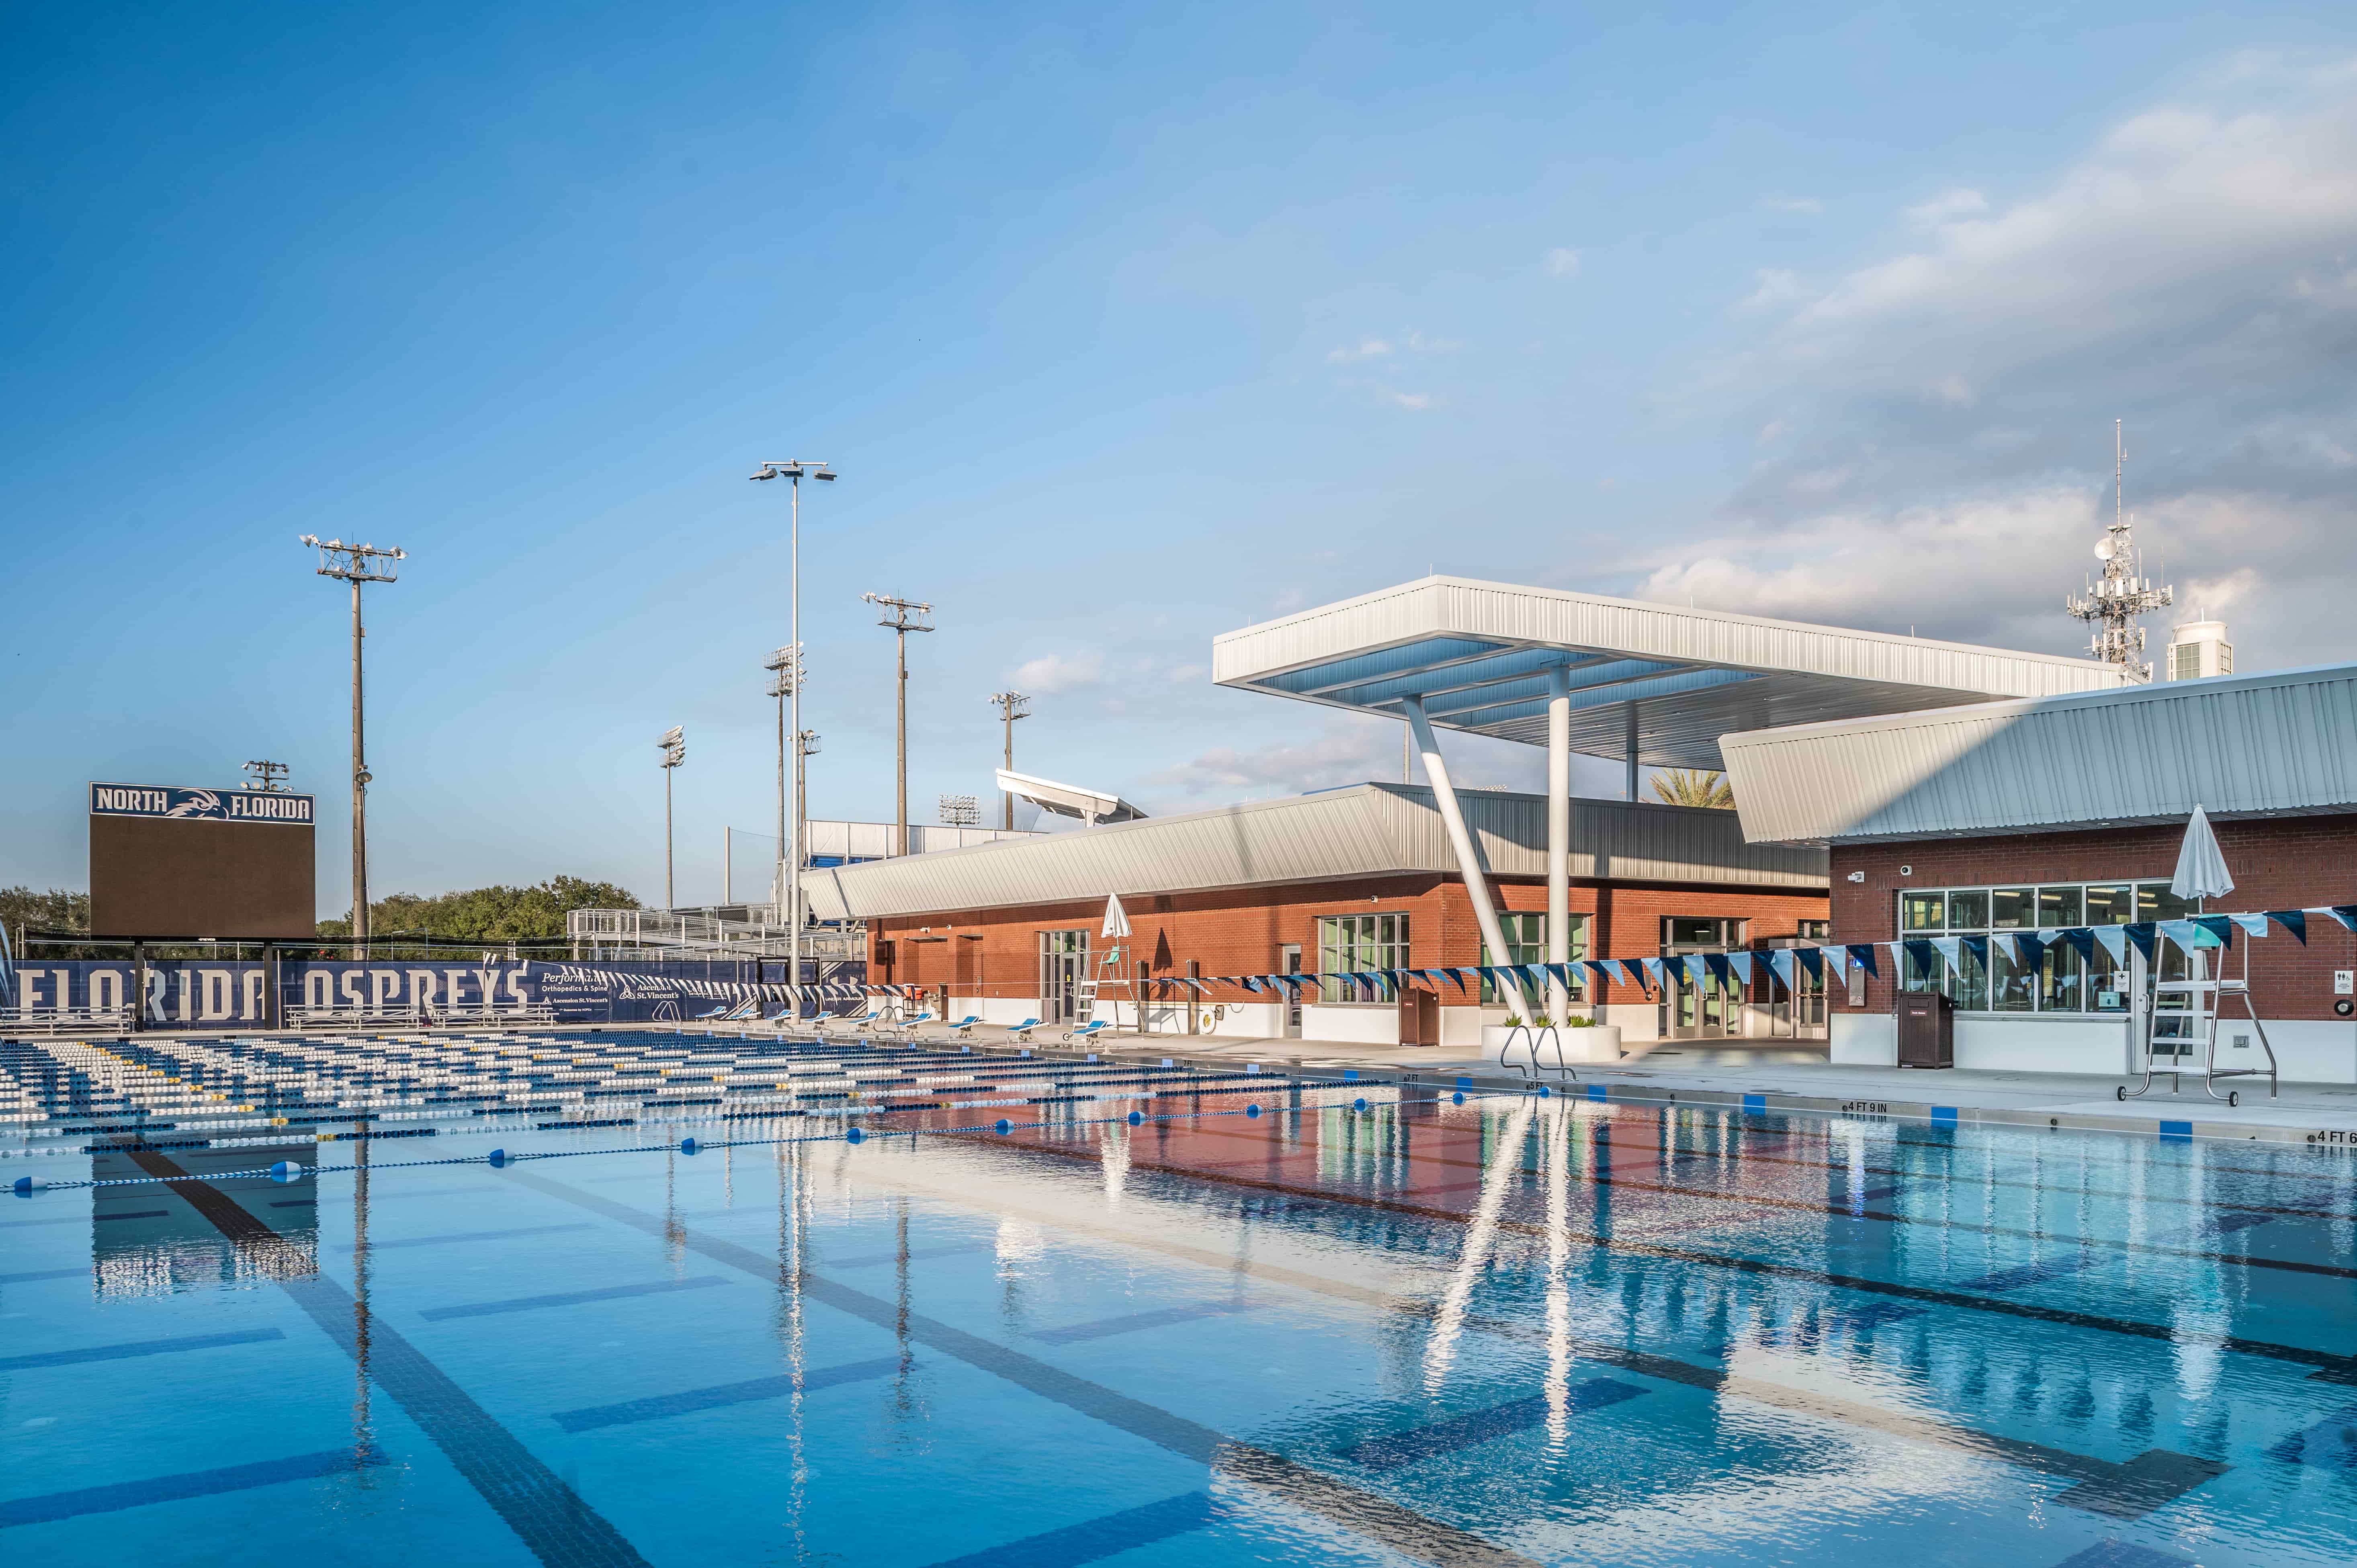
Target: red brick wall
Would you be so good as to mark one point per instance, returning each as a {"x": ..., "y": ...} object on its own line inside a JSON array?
[
  {"x": 1239, "y": 930},
  {"x": 2279, "y": 862}
]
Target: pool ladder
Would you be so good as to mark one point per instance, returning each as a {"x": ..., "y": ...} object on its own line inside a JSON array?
[{"x": 1531, "y": 1037}]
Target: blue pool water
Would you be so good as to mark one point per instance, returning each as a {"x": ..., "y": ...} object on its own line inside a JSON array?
[{"x": 1502, "y": 1331}]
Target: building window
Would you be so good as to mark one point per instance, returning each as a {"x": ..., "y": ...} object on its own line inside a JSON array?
[
  {"x": 2062, "y": 980},
  {"x": 1526, "y": 943},
  {"x": 1351, "y": 944}
]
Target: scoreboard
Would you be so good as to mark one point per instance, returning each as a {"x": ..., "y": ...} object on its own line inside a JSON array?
[{"x": 167, "y": 860}]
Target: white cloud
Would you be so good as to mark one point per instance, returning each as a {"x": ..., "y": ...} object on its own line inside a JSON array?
[
  {"x": 1366, "y": 348},
  {"x": 1053, "y": 672},
  {"x": 1350, "y": 757},
  {"x": 1942, "y": 413},
  {"x": 1808, "y": 205},
  {"x": 1414, "y": 401},
  {"x": 1945, "y": 208},
  {"x": 1563, "y": 262}
]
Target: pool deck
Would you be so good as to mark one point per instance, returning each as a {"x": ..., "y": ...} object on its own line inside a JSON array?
[{"x": 1789, "y": 1078}]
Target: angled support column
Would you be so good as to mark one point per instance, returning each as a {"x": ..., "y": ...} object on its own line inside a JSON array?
[
  {"x": 1558, "y": 845},
  {"x": 1631, "y": 744},
  {"x": 1468, "y": 862}
]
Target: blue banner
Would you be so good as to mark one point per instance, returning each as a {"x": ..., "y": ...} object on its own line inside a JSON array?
[
  {"x": 196, "y": 995},
  {"x": 181, "y": 804}
]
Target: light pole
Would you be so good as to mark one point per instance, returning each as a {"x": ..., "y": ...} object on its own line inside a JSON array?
[
  {"x": 1012, "y": 705},
  {"x": 903, "y": 615},
  {"x": 794, "y": 470},
  {"x": 674, "y": 752},
  {"x": 357, "y": 563},
  {"x": 785, "y": 668}
]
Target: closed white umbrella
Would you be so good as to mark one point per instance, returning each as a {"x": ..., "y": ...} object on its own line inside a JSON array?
[
  {"x": 2200, "y": 867},
  {"x": 1116, "y": 921}
]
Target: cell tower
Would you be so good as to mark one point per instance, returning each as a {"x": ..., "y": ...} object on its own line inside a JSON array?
[{"x": 2114, "y": 600}]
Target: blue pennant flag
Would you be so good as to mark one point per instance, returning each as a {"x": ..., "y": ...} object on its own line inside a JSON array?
[
  {"x": 2253, "y": 925},
  {"x": 2291, "y": 920},
  {"x": 1862, "y": 954},
  {"x": 1696, "y": 971},
  {"x": 2028, "y": 951},
  {"x": 2143, "y": 934},
  {"x": 1780, "y": 960},
  {"x": 1653, "y": 972},
  {"x": 1978, "y": 947},
  {"x": 2219, "y": 925},
  {"x": 1720, "y": 970},
  {"x": 2082, "y": 939},
  {"x": 2344, "y": 913},
  {"x": 1812, "y": 960}
]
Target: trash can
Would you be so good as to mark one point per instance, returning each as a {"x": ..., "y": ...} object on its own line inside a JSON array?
[{"x": 1927, "y": 1029}]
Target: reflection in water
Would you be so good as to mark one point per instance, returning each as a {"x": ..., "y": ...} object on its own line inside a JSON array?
[
  {"x": 148, "y": 1240},
  {"x": 363, "y": 1421},
  {"x": 1555, "y": 1155},
  {"x": 1499, "y": 1179},
  {"x": 793, "y": 1259}
]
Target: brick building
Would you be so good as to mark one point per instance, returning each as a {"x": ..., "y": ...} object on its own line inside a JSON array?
[
  {"x": 1343, "y": 880},
  {"x": 2071, "y": 812}
]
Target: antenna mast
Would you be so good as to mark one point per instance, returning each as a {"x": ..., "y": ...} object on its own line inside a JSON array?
[{"x": 2113, "y": 601}]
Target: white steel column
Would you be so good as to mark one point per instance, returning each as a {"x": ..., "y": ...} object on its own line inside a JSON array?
[
  {"x": 1558, "y": 847},
  {"x": 1468, "y": 863}
]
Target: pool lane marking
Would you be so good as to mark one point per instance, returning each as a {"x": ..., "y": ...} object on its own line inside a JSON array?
[
  {"x": 137, "y": 1347},
  {"x": 2082, "y": 1470},
  {"x": 1131, "y": 1323},
  {"x": 26, "y": 1279},
  {"x": 1377, "y": 1518},
  {"x": 554, "y": 1523},
  {"x": 117, "y": 1495},
  {"x": 1839, "y": 1210},
  {"x": 566, "y": 1298},
  {"x": 657, "y": 1407},
  {"x": 1093, "y": 1540},
  {"x": 467, "y": 1236},
  {"x": 1398, "y": 1450}
]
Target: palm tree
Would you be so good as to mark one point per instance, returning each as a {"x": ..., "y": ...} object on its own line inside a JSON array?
[{"x": 1693, "y": 787}]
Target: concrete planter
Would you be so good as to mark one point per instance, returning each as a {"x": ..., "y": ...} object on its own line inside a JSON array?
[{"x": 1599, "y": 1044}]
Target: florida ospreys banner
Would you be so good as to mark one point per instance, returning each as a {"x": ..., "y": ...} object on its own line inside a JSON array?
[
  {"x": 196, "y": 993},
  {"x": 1815, "y": 962}
]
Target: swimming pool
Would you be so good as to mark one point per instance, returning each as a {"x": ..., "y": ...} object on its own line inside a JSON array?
[{"x": 1056, "y": 1312}]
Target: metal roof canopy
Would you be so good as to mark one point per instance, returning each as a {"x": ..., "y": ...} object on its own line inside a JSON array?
[
  {"x": 2280, "y": 744},
  {"x": 1480, "y": 655}
]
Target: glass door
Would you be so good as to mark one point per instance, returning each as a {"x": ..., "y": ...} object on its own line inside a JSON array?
[
  {"x": 1289, "y": 961},
  {"x": 1712, "y": 1010},
  {"x": 1064, "y": 960}
]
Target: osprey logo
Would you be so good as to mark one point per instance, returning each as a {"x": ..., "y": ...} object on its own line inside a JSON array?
[{"x": 196, "y": 804}]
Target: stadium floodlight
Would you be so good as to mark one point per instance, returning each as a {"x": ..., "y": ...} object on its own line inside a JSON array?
[
  {"x": 794, "y": 470},
  {"x": 263, "y": 776},
  {"x": 357, "y": 563},
  {"x": 1011, "y": 706},
  {"x": 903, "y": 615},
  {"x": 674, "y": 752}
]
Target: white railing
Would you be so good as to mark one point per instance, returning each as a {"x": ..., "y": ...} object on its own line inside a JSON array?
[
  {"x": 64, "y": 1020},
  {"x": 712, "y": 933}
]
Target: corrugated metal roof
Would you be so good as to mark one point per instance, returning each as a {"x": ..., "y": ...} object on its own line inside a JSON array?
[
  {"x": 1479, "y": 653},
  {"x": 2237, "y": 746},
  {"x": 1367, "y": 829}
]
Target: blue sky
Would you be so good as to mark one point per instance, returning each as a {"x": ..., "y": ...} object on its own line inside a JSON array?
[{"x": 1125, "y": 327}]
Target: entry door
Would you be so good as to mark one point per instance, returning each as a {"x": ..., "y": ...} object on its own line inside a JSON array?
[
  {"x": 1288, "y": 961},
  {"x": 1712, "y": 1010},
  {"x": 1064, "y": 960}
]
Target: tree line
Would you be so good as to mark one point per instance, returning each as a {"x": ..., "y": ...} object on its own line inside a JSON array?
[{"x": 496, "y": 914}]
